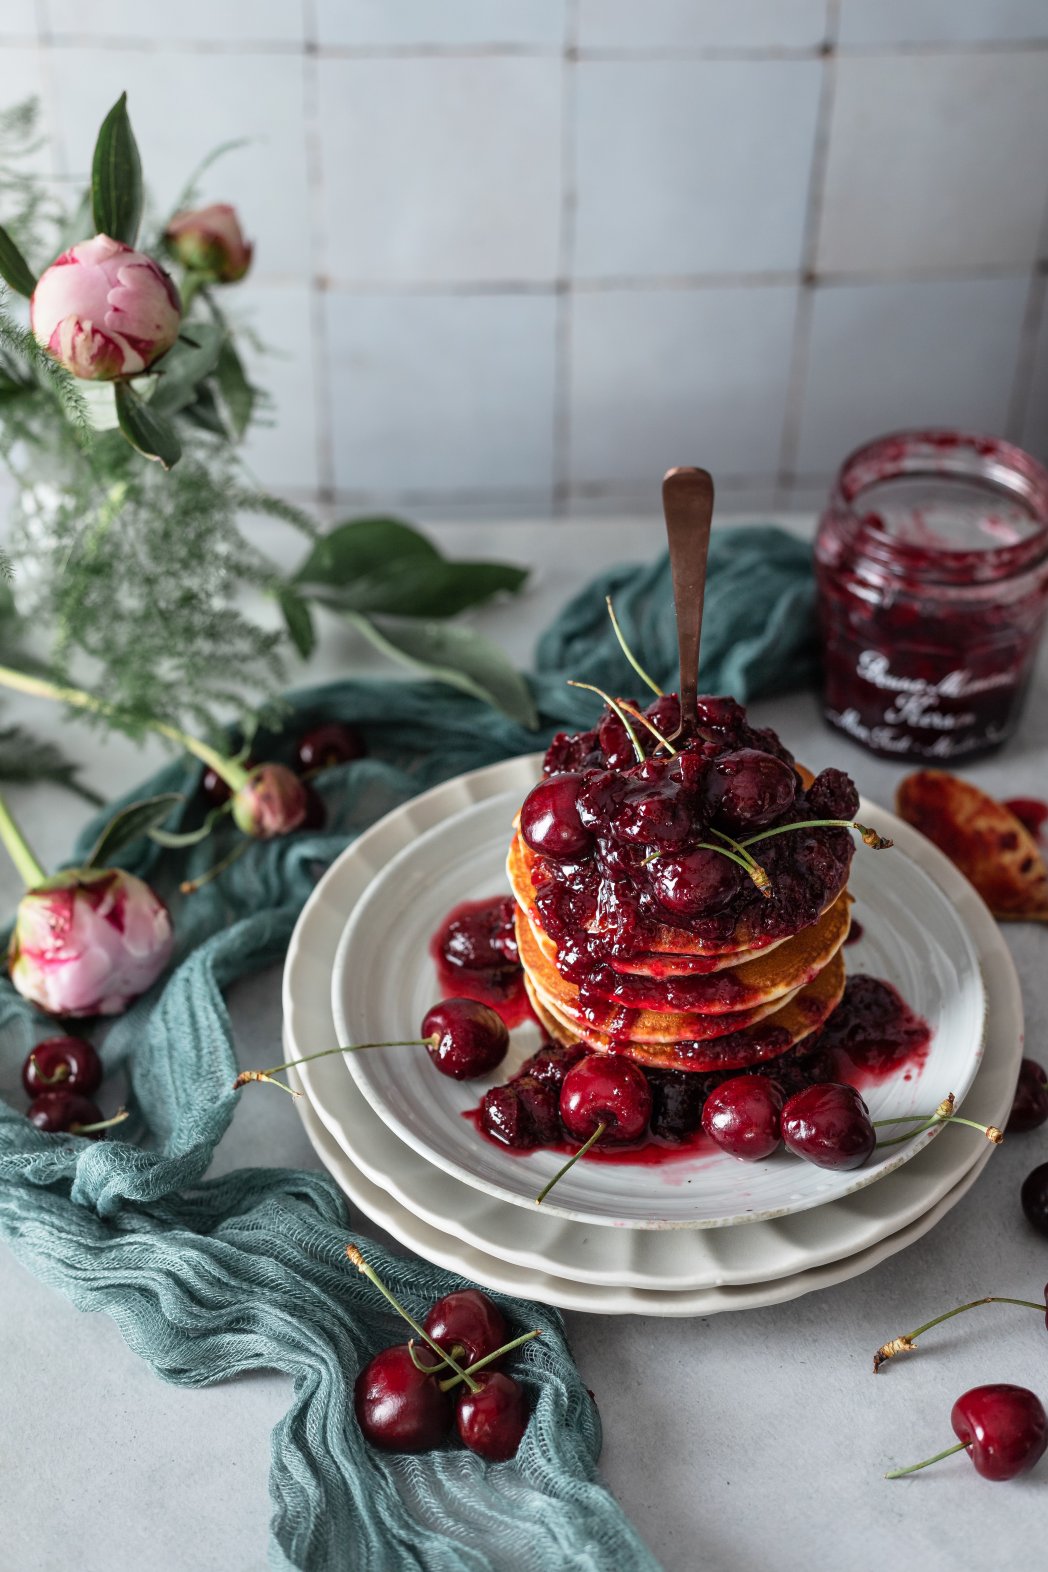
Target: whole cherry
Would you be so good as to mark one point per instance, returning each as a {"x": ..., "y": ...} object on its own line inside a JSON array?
[
  {"x": 62, "y": 1063},
  {"x": 696, "y": 883},
  {"x": 748, "y": 789},
  {"x": 61, "y": 1113},
  {"x": 828, "y": 1125},
  {"x": 329, "y": 744},
  {"x": 549, "y": 819},
  {"x": 399, "y": 1407},
  {"x": 606, "y": 1089},
  {"x": 214, "y": 789},
  {"x": 1033, "y": 1198},
  {"x": 1003, "y": 1428},
  {"x": 467, "y": 1321},
  {"x": 743, "y": 1116},
  {"x": 492, "y": 1422},
  {"x": 468, "y": 1039},
  {"x": 1030, "y": 1103}
]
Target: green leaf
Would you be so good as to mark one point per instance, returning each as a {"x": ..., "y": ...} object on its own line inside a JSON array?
[
  {"x": 14, "y": 269},
  {"x": 363, "y": 547},
  {"x": 299, "y": 620},
  {"x": 237, "y": 392},
  {"x": 205, "y": 413},
  {"x": 153, "y": 435},
  {"x": 382, "y": 565},
  {"x": 459, "y": 657},
  {"x": 137, "y": 819},
  {"x": 190, "y": 359},
  {"x": 116, "y": 177}
]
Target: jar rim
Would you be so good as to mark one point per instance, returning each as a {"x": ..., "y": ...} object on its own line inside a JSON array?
[{"x": 954, "y": 455}]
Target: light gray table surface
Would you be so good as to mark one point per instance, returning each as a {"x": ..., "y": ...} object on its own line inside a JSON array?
[{"x": 736, "y": 1442}]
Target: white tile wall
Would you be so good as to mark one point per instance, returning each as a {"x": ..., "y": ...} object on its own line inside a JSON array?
[
  {"x": 524, "y": 255},
  {"x": 664, "y": 145},
  {"x": 440, "y": 170}
]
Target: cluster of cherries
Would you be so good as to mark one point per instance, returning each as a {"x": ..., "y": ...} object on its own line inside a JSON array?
[
  {"x": 61, "y": 1075},
  {"x": 320, "y": 748},
  {"x": 670, "y": 820},
  {"x": 407, "y": 1399}
]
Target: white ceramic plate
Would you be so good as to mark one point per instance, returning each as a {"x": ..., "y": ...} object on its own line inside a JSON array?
[
  {"x": 648, "y": 1260},
  {"x": 384, "y": 981},
  {"x": 527, "y": 1282}
]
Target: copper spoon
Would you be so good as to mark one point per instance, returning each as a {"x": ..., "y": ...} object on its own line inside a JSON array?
[{"x": 687, "y": 501}]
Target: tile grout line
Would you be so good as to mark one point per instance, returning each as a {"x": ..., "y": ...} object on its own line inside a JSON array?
[
  {"x": 564, "y": 308},
  {"x": 800, "y": 351},
  {"x": 322, "y": 401}
]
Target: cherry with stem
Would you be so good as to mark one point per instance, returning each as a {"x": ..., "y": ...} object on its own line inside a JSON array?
[{"x": 572, "y": 1160}]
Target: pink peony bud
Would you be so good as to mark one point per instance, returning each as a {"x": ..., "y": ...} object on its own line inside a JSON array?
[
  {"x": 105, "y": 310},
  {"x": 89, "y": 941},
  {"x": 272, "y": 801},
  {"x": 210, "y": 240}
]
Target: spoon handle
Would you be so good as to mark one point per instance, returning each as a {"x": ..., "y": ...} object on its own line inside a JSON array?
[{"x": 687, "y": 501}]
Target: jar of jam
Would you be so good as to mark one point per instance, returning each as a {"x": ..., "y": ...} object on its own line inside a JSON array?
[{"x": 931, "y": 562}]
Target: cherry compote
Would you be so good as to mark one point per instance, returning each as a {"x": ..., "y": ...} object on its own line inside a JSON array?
[
  {"x": 475, "y": 953},
  {"x": 748, "y": 789}
]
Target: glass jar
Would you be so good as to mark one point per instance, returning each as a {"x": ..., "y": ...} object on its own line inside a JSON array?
[{"x": 931, "y": 563}]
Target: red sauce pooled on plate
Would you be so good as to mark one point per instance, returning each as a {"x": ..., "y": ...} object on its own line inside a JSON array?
[{"x": 475, "y": 953}]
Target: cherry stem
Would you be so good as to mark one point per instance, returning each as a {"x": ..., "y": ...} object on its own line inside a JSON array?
[
  {"x": 944, "y": 1114},
  {"x": 507, "y": 1348},
  {"x": 232, "y": 772},
  {"x": 102, "y": 1124},
  {"x": 29, "y": 869},
  {"x": 457, "y": 1350},
  {"x": 905, "y": 1343},
  {"x": 246, "y": 1077},
  {"x": 190, "y": 886},
  {"x": 752, "y": 869},
  {"x": 354, "y": 1255},
  {"x": 572, "y": 1160},
  {"x": 897, "y": 1473},
  {"x": 871, "y": 837},
  {"x": 61, "y": 1072},
  {"x": 613, "y": 704},
  {"x": 634, "y": 662}
]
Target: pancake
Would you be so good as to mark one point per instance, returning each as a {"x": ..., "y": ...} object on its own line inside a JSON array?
[
  {"x": 581, "y": 1010},
  {"x": 738, "y": 1050},
  {"x": 763, "y": 978},
  {"x": 523, "y": 865}
]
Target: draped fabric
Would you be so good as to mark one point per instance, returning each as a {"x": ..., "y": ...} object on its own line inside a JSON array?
[{"x": 211, "y": 1278}]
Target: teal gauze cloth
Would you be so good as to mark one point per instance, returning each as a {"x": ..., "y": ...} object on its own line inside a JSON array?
[{"x": 209, "y": 1278}]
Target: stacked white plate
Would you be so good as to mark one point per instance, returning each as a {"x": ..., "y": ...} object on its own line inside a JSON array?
[{"x": 688, "y": 1237}]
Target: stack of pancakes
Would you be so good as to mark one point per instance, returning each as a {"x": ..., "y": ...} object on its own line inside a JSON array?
[{"x": 684, "y": 1003}]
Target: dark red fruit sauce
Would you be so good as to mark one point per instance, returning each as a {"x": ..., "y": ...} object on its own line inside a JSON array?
[
  {"x": 932, "y": 570},
  {"x": 1031, "y": 812},
  {"x": 475, "y": 953}
]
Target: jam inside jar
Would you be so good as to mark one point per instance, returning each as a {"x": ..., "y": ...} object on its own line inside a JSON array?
[{"x": 931, "y": 563}]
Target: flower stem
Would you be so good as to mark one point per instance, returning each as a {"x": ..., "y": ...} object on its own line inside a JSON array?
[
  {"x": 30, "y": 871},
  {"x": 903, "y": 1344},
  {"x": 229, "y": 770},
  {"x": 897, "y": 1473},
  {"x": 247, "y": 1076},
  {"x": 634, "y": 662},
  {"x": 572, "y": 1160},
  {"x": 354, "y": 1255}
]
